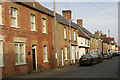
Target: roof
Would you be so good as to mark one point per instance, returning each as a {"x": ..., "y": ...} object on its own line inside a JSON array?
[
  {"x": 87, "y": 32},
  {"x": 37, "y": 6},
  {"x": 62, "y": 20},
  {"x": 80, "y": 32}
]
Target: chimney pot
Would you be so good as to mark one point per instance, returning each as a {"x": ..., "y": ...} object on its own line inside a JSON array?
[{"x": 80, "y": 22}]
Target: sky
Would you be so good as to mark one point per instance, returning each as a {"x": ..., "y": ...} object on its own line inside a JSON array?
[{"x": 101, "y": 16}]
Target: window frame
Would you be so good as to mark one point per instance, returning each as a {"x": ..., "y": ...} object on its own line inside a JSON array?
[
  {"x": 65, "y": 33},
  {"x": 45, "y": 54},
  {"x": 2, "y": 53},
  {"x": 66, "y": 53},
  {"x": 19, "y": 55},
  {"x": 1, "y": 14},
  {"x": 33, "y": 22},
  {"x": 44, "y": 26},
  {"x": 74, "y": 36},
  {"x": 14, "y": 17}
]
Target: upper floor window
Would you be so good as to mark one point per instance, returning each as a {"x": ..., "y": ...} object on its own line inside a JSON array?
[
  {"x": 44, "y": 25},
  {"x": 69, "y": 34},
  {"x": 13, "y": 17},
  {"x": 74, "y": 36},
  {"x": 1, "y": 53},
  {"x": 85, "y": 41},
  {"x": 65, "y": 53},
  {"x": 65, "y": 34},
  {"x": 33, "y": 28},
  {"x": 45, "y": 54},
  {"x": 0, "y": 13},
  {"x": 19, "y": 50}
]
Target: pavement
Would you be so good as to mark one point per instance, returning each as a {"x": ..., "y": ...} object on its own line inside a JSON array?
[{"x": 107, "y": 69}]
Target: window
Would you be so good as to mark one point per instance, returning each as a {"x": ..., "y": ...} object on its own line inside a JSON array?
[
  {"x": 69, "y": 34},
  {"x": 44, "y": 25},
  {"x": 19, "y": 49},
  {"x": 65, "y": 36},
  {"x": 65, "y": 53},
  {"x": 13, "y": 17},
  {"x": 74, "y": 36},
  {"x": 85, "y": 41},
  {"x": 1, "y": 53},
  {"x": 33, "y": 28},
  {"x": 88, "y": 42},
  {"x": 0, "y": 13},
  {"x": 45, "y": 55}
]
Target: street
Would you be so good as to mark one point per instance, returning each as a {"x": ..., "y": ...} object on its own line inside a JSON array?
[{"x": 107, "y": 69}]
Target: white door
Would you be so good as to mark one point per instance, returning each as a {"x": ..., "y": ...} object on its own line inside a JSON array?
[{"x": 62, "y": 58}]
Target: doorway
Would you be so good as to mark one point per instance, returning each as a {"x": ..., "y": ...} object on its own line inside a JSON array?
[{"x": 34, "y": 57}]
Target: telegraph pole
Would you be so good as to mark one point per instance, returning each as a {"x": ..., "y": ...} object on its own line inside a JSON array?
[{"x": 55, "y": 35}]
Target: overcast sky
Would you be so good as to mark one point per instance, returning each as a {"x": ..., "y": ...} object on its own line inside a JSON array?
[{"x": 96, "y": 15}]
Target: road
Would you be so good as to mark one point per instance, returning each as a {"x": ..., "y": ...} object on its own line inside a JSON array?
[{"x": 107, "y": 69}]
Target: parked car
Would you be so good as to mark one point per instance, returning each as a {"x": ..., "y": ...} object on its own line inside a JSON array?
[
  {"x": 115, "y": 53},
  {"x": 88, "y": 59},
  {"x": 110, "y": 55},
  {"x": 118, "y": 53},
  {"x": 107, "y": 56},
  {"x": 97, "y": 54}
]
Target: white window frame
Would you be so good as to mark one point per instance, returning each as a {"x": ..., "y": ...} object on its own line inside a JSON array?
[
  {"x": 74, "y": 36},
  {"x": 70, "y": 34},
  {"x": 0, "y": 13},
  {"x": 24, "y": 54},
  {"x": 44, "y": 27},
  {"x": 33, "y": 28},
  {"x": 1, "y": 51},
  {"x": 66, "y": 53},
  {"x": 14, "y": 17},
  {"x": 65, "y": 33},
  {"x": 45, "y": 53}
]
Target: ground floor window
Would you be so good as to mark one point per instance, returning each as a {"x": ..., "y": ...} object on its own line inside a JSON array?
[
  {"x": 1, "y": 53},
  {"x": 45, "y": 54},
  {"x": 65, "y": 53},
  {"x": 19, "y": 50}
]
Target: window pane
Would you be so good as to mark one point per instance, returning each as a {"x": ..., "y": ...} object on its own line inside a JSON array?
[
  {"x": 45, "y": 53},
  {"x": 21, "y": 53},
  {"x": 1, "y": 54},
  {"x": 0, "y": 14},
  {"x": 16, "y": 48},
  {"x": 64, "y": 33},
  {"x": 13, "y": 17},
  {"x": 44, "y": 25},
  {"x": 32, "y": 22}
]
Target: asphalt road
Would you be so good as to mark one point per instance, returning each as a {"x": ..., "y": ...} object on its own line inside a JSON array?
[{"x": 107, "y": 69}]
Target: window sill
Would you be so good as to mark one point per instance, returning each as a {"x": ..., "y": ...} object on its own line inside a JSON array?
[
  {"x": 2, "y": 66},
  {"x": 66, "y": 59},
  {"x": 20, "y": 64},
  {"x": 1, "y": 24},
  {"x": 15, "y": 27},
  {"x": 46, "y": 61},
  {"x": 44, "y": 33},
  {"x": 33, "y": 31}
]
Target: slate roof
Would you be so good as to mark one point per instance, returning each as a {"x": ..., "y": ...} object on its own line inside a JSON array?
[
  {"x": 62, "y": 20},
  {"x": 88, "y": 32},
  {"x": 80, "y": 32}
]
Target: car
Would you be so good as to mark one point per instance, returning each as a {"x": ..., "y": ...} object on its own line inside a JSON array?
[
  {"x": 110, "y": 55},
  {"x": 115, "y": 53},
  {"x": 97, "y": 54},
  {"x": 107, "y": 56},
  {"x": 118, "y": 53},
  {"x": 88, "y": 59}
]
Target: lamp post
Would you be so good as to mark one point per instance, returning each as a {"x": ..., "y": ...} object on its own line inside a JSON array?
[{"x": 70, "y": 40}]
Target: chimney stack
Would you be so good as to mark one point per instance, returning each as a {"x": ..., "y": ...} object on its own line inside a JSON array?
[
  {"x": 67, "y": 14},
  {"x": 80, "y": 22}
]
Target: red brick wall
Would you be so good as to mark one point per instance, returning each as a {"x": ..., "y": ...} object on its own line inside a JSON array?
[{"x": 24, "y": 23}]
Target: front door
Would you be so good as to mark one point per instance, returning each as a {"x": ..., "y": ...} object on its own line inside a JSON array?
[
  {"x": 34, "y": 57},
  {"x": 62, "y": 58}
]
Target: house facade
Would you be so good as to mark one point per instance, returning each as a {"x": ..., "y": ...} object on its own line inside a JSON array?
[
  {"x": 83, "y": 41},
  {"x": 26, "y": 38},
  {"x": 65, "y": 34}
]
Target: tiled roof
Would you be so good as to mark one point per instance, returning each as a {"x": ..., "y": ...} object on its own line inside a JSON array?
[
  {"x": 37, "y": 6},
  {"x": 80, "y": 32}
]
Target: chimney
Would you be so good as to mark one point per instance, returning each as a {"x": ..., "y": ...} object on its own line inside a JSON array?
[
  {"x": 80, "y": 22},
  {"x": 96, "y": 34},
  {"x": 67, "y": 14}
]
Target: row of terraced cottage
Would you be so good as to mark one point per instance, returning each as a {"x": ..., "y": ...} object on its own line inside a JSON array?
[{"x": 29, "y": 40}]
